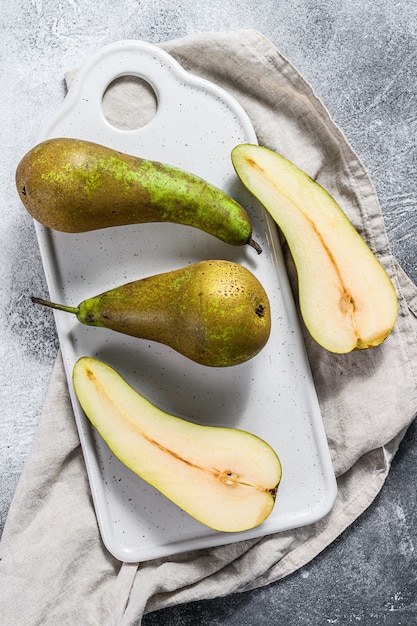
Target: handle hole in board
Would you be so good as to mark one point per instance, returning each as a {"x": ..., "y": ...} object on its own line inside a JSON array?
[{"x": 129, "y": 102}]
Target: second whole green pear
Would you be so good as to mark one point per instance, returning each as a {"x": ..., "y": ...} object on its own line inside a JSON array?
[{"x": 216, "y": 313}]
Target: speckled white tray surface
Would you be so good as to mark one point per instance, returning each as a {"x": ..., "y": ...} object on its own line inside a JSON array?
[{"x": 195, "y": 127}]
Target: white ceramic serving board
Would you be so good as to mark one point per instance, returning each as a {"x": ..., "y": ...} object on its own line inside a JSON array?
[{"x": 195, "y": 127}]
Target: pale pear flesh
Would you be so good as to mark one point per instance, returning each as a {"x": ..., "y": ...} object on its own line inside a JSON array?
[
  {"x": 225, "y": 478},
  {"x": 347, "y": 300}
]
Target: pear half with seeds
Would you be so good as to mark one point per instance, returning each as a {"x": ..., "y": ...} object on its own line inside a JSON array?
[
  {"x": 347, "y": 299},
  {"x": 224, "y": 477}
]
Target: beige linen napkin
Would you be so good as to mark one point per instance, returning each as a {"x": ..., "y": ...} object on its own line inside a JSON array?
[{"x": 54, "y": 567}]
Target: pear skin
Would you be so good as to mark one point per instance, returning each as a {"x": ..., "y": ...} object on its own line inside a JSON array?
[
  {"x": 216, "y": 312},
  {"x": 73, "y": 185},
  {"x": 347, "y": 299},
  {"x": 225, "y": 478}
]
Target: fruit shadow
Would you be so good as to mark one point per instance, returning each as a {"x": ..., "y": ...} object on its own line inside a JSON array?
[{"x": 177, "y": 385}]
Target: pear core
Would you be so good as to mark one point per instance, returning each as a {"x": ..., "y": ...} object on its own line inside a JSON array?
[
  {"x": 347, "y": 300},
  {"x": 224, "y": 477}
]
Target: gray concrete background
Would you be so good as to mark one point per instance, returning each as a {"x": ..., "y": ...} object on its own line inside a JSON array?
[{"x": 361, "y": 59}]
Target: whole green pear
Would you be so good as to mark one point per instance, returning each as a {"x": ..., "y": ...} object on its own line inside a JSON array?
[
  {"x": 215, "y": 312},
  {"x": 73, "y": 185}
]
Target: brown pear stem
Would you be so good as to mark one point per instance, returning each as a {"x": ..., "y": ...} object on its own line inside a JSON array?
[
  {"x": 255, "y": 245},
  {"x": 54, "y": 305}
]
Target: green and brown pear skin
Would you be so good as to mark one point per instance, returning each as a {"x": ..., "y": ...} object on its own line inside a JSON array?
[
  {"x": 73, "y": 185},
  {"x": 216, "y": 312}
]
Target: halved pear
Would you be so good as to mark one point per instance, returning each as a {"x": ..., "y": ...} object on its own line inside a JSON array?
[
  {"x": 224, "y": 477},
  {"x": 347, "y": 299}
]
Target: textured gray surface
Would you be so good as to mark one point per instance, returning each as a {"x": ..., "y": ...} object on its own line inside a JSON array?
[{"x": 361, "y": 59}]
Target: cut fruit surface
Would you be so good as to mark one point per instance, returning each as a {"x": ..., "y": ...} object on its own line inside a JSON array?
[
  {"x": 347, "y": 299},
  {"x": 224, "y": 477}
]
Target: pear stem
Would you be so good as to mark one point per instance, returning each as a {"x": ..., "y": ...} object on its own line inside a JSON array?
[
  {"x": 54, "y": 305},
  {"x": 255, "y": 245}
]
